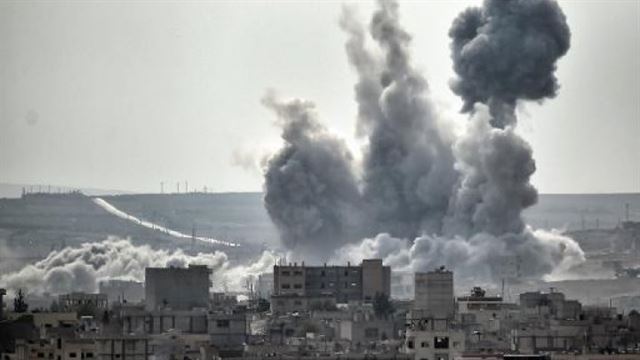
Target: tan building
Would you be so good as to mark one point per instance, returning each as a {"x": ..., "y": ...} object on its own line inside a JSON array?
[{"x": 434, "y": 293}]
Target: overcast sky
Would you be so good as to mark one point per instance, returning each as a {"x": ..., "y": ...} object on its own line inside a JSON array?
[{"x": 124, "y": 95}]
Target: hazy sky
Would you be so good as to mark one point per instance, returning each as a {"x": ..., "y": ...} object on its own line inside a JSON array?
[{"x": 124, "y": 95}]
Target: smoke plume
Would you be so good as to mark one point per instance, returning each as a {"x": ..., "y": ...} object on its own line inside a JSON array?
[
  {"x": 496, "y": 166},
  {"x": 505, "y": 51},
  {"x": 433, "y": 198},
  {"x": 81, "y": 268},
  {"x": 310, "y": 191},
  {"x": 408, "y": 163}
]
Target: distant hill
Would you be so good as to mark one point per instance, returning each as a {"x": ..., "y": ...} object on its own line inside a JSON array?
[
  {"x": 567, "y": 211},
  {"x": 13, "y": 191}
]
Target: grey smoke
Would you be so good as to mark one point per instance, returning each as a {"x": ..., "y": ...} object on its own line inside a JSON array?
[
  {"x": 408, "y": 170},
  {"x": 506, "y": 51},
  {"x": 430, "y": 198},
  {"x": 311, "y": 193},
  {"x": 496, "y": 166},
  {"x": 480, "y": 259},
  {"x": 81, "y": 268}
]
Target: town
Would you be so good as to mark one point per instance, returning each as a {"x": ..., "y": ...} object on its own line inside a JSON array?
[{"x": 323, "y": 312}]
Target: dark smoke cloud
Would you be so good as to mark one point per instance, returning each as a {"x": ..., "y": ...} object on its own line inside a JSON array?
[
  {"x": 505, "y": 51},
  {"x": 408, "y": 164},
  {"x": 311, "y": 193}
]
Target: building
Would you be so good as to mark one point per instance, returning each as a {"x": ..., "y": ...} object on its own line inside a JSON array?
[
  {"x": 434, "y": 293},
  {"x": 136, "y": 320},
  {"x": 302, "y": 284},
  {"x": 123, "y": 348},
  {"x": 122, "y": 291},
  {"x": 228, "y": 331},
  {"x": 487, "y": 321},
  {"x": 549, "y": 305},
  {"x": 433, "y": 339},
  {"x": 83, "y": 303},
  {"x": 177, "y": 288},
  {"x": 264, "y": 286}
]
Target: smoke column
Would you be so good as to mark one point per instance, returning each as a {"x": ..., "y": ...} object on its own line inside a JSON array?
[
  {"x": 408, "y": 163},
  {"x": 502, "y": 52},
  {"x": 310, "y": 191}
]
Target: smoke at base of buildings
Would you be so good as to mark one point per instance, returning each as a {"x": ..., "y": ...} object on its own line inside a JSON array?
[{"x": 81, "y": 268}]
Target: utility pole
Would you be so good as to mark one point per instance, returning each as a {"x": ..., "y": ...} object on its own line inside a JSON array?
[
  {"x": 178, "y": 187},
  {"x": 161, "y": 187}
]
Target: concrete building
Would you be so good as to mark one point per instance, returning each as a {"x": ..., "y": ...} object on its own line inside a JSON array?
[
  {"x": 123, "y": 348},
  {"x": 486, "y": 320},
  {"x": 136, "y": 320},
  {"x": 549, "y": 305},
  {"x": 434, "y": 293},
  {"x": 301, "y": 284},
  {"x": 119, "y": 291},
  {"x": 228, "y": 330},
  {"x": 82, "y": 302},
  {"x": 264, "y": 286},
  {"x": 433, "y": 339},
  {"x": 177, "y": 288}
]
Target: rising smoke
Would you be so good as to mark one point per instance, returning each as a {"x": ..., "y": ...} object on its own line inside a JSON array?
[
  {"x": 407, "y": 171},
  {"x": 310, "y": 190},
  {"x": 432, "y": 198},
  {"x": 81, "y": 268}
]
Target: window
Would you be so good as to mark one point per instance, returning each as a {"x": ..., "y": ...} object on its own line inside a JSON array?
[
  {"x": 297, "y": 302},
  {"x": 297, "y": 286},
  {"x": 88, "y": 355},
  {"x": 73, "y": 355},
  {"x": 222, "y": 323},
  {"x": 285, "y": 273},
  {"x": 424, "y": 344},
  {"x": 297, "y": 273},
  {"x": 321, "y": 285},
  {"x": 441, "y": 342},
  {"x": 40, "y": 355},
  {"x": 371, "y": 333},
  {"x": 354, "y": 284},
  {"x": 410, "y": 344},
  {"x": 286, "y": 286},
  {"x": 322, "y": 273}
]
